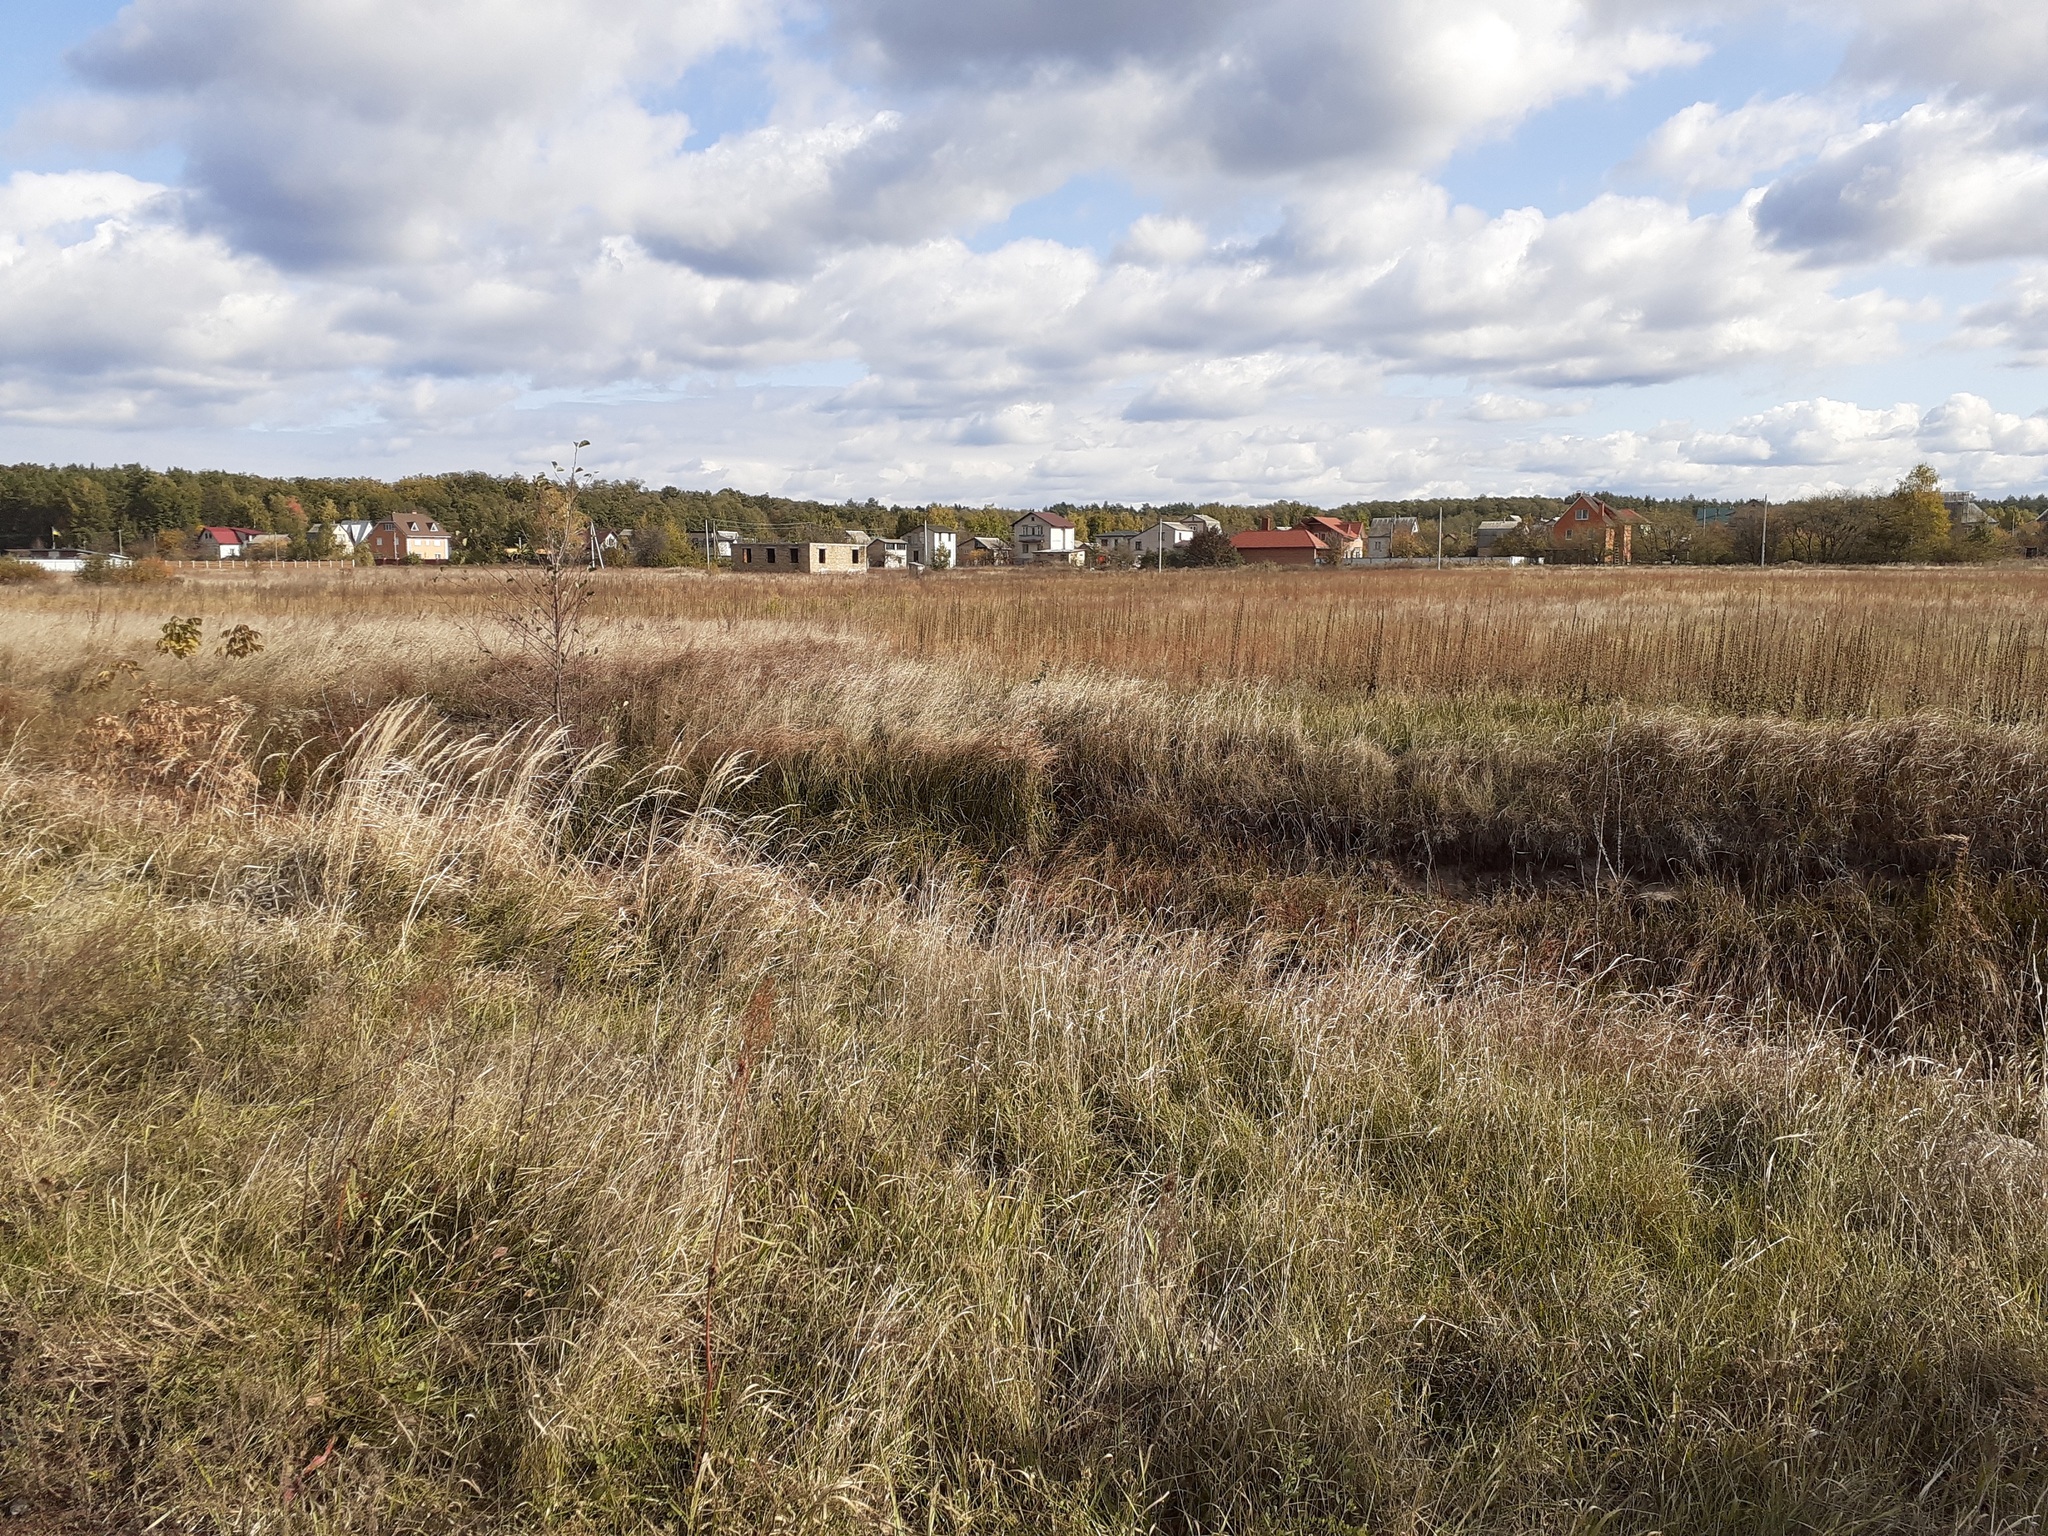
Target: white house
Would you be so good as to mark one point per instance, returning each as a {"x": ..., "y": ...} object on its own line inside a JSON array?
[
  {"x": 222, "y": 543},
  {"x": 1172, "y": 532},
  {"x": 1044, "y": 538},
  {"x": 350, "y": 533},
  {"x": 932, "y": 546},
  {"x": 887, "y": 554}
]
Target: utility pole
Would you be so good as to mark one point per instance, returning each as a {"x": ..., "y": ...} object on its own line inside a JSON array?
[
  {"x": 1159, "y": 533},
  {"x": 1763, "y": 543},
  {"x": 1439, "y": 535}
]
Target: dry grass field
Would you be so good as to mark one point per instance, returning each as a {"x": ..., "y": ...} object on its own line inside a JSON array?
[{"x": 1253, "y": 1052}]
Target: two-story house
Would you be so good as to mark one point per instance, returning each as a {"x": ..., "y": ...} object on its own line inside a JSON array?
[
  {"x": 1588, "y": 523},
  {"x": 932, "y": 548},
  {"x": 1044, "y": 538},
  {"x": 410, "y": 536}
]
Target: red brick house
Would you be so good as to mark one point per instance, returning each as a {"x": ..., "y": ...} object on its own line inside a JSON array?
[
  {"x": 1590, "y": 523},
  {"x": 1267, "y": 545},
  {"x": 1345, "y": 541},
  {"x": 409, "y": 535}
]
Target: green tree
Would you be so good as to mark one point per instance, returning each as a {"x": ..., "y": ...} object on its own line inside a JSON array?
[
  {"x": 1915, "y": 522},
  {"x": 1204, "y": 549}
]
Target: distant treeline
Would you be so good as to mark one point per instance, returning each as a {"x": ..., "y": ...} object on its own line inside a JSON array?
[{"x": 499, "y": 517}]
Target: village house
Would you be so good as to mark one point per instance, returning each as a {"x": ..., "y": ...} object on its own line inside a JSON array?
[
  {"x": 984, "y": 550},
  {"x": 1117, "y": 547},
  {"x": 1345, "y": 540},
  {"x": 1267, "y": 545},
  {"x": 888, "y": 554},
  {"x": 1492, "y": 531},
  {"x": 1964, "y": 513},
  {"x": 223, "y": 543},
  {"x": 1590, "y": 523},
  {"x": 932, "y": 547},
  {"x": 1045, "y": 538},
  {"x": 409, "y": 536},
  {"x": 1383, "y": 531},
  {"x": 350, "y": 534},
  {"x": 763, "y": 557},
  {"x": 1169, "y": 534}
]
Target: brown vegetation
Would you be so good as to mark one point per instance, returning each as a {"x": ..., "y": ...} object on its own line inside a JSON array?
[{"x": 1211, "y": 1051}]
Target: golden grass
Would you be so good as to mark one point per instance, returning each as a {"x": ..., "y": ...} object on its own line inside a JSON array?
[
  {"x": 1824, "y": 643},
  {"x": 1159, "y": 1123}
]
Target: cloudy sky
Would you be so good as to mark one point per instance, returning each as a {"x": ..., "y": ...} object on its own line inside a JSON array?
[{"x": 1034, "y": 250}]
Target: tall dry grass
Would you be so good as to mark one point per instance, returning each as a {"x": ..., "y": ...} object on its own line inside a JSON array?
[
  {"x": 825, "y": 1087},
  {"x": 368, "y": 1176},
  {"x": 1819, "y": 643}
]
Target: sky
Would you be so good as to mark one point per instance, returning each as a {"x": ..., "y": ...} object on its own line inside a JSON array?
[{"x": 1029, "y": 251}]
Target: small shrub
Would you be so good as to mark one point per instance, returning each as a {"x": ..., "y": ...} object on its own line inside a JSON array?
[
  {"x": 240, "y": 643},
  {"x": 180, "y": 638},
  {"x": 1204, "y": 549},
  {"x": 98, "y": 569},
  {"x": 13, "y": 572},
  {"x": 186, "y": 749},
  {"x": 143, "y": 573}
]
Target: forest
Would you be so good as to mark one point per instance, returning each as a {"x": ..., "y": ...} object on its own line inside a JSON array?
[{"x": 496, "y": 518}]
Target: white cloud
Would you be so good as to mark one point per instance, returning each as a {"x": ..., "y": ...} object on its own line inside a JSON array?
[
  {"x": 109, "y": 305},
  {"x": 1496, "y": 407},
  {"x": 1946, "y": 181},
  {"x": 1705, "y": 148},
  {"x": 1970, "y": 424},
  {"x": 1807, "y": 433},
  {"x": 1993, "y": 49},
  {"x": 404, "y": 227},
  {"x": 2015, "y": 319}
]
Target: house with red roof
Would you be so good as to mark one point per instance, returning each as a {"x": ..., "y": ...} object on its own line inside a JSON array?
[
  {"x": 1267, "y": 545},
  {"x": 223, "y": 543},
  {"x": 1346, "y": 540},
  {"x": 1590, "y": 524}
]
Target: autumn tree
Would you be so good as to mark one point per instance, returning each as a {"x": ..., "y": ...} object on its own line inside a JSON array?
[{"x": 1915, "y": 522}]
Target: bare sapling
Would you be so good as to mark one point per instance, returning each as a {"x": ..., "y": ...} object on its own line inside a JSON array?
[{"x": 544, "y": 617}]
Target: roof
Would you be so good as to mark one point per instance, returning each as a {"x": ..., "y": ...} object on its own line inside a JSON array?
[
  {"x": 226, "y": 535},
  {"x": 1396, "y": 525},
  {"x": 1500, "y": 525},
  {"x": 1276, "y": 538},
  {"x": 1336, "y": 525},
  {"x": 1050, "y": 519},
  {"x": 412, "y": 522},
  {"x": 1606, "y": 509}
]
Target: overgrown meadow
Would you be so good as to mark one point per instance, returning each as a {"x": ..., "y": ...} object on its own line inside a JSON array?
[{"x": 1192, "y": 1052}]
